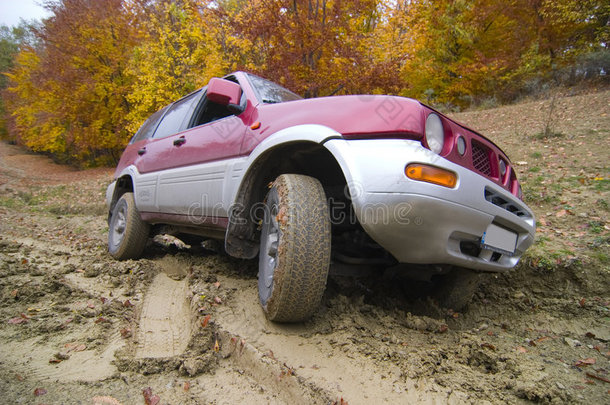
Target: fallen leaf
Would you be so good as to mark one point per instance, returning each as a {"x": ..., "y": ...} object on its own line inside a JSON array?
[
  {"x": 39, "y": 391},
  {"x": 101, "y": 319},
  {"x": 125, "y": 333},
  {"x": 586, "y": 362},
  {"x": 15, "y": 293},
  {"x": 598, "y": 377},
  {"x": 590, "y": 335},
  {"x": 205, "y": 321},
  {"x": 443, "y": 328},
  {"x": 17, "y": 320},
  {"x": 582, "y": 302},
  {"x": 216, "y": 346},
  {"x": 186, "y": 386},
  {"x": 521, "y": 349},
  {"x": 127, "y": 304},
  {"x": 217, "y": 284},
  {"x": 54, "y": 361},
  {"x": 104, "y": 400},
  {"x": 80, "y": 347},
  {"x": 488, "y": 346},
  {"x": 149, "y": 398},
  {"x": 75, "y": 347},
  {"x": 217, "y": 300},
  {"x": 24, "y": 261},
  {"x": 561, "y": 213}
]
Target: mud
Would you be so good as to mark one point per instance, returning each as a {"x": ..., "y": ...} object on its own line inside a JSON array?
[{"x": 186, "y": 323}]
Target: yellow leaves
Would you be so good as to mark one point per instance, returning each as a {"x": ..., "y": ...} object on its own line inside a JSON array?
[
  {"x": 176, "y": 56},
  {"x": 104, "y": 66}
]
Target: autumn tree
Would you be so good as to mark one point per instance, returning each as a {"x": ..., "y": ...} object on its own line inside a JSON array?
[
  {"x": 314, "y": 47},
  {"x": 71, "y": 93},
  {"x": 100, "y": 67},
  {"x": 11, "y": 40},
  {"x": 176, "y": 54}
]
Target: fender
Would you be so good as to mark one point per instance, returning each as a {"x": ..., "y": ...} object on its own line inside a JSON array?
[
  {"x": 308, "y": 132},
  {"x": 112, "y": 190},
  {"x": 239, "y": 236}
]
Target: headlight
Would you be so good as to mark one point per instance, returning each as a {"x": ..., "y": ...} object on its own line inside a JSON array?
[{"x": 435, "y": 135}]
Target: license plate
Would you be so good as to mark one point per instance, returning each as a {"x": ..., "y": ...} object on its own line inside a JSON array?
[{"x": 499, "y": 239}]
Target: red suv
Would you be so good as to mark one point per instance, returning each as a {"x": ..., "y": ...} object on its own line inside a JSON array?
[{"x": 374, "y": 181}]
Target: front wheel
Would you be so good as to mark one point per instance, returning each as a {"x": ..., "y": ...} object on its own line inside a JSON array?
[
  {"x": 294, "y": 249},
  {"x": 127, "y": 233},
  {"x": 456, "y": 289}
]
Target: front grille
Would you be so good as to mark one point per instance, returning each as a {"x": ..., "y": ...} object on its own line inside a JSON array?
[
  {"x": 500, "y": 201},
  {"x": 480, "y": 158}
]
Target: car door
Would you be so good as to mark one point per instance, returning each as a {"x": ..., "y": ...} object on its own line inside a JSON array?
[
  {"x": 155, "y": 155},
  {"x": 202, "y": 160}
]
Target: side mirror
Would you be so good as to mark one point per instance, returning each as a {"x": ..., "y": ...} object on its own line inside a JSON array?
[{"x": 224, "y": 92}]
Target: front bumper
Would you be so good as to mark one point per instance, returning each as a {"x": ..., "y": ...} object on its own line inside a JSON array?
[{"x": 423, "y": 223}]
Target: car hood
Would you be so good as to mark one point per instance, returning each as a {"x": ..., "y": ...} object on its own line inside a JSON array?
[{"x": 351, "y": 116}]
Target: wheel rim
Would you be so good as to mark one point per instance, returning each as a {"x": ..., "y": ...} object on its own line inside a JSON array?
[
  {"x": 119, "y": 224},
  {"x": 268, "y": 256}
]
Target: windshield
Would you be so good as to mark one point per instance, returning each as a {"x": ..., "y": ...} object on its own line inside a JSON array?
[{"x": 269, "y": 92}]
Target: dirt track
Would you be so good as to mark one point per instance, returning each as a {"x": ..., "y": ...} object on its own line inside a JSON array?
[{"x": 79, "y": 327}]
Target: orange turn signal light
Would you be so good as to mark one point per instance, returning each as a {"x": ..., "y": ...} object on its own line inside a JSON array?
[{"x": 431, "y": 174}]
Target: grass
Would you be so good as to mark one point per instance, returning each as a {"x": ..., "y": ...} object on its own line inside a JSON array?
[
  {"x": 57, "y": 200},
  {"x": 545, "y": 136},
  {"x": 600, "y": 184}
]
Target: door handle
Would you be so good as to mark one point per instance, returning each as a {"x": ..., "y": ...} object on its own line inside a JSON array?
[
  {"x": 141, "y": 151},
  {"x": 179, "y": 141}
]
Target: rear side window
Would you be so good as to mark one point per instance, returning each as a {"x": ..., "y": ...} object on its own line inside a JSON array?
[
  {"x": 176, "y": 118},
  {"x": 147, "y": 129}
]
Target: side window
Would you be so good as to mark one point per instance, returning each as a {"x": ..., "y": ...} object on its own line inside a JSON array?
[
  {"x": 208, "y": 111},
  {"x": 173, "y": 120},
  {"x": 147, "y": 129}
]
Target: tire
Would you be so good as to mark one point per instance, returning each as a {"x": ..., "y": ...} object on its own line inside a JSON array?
[
  {"x": 127, "y": 233},
  {"x": 456, "y": 289},
  {"x": 295, "y": 246}
]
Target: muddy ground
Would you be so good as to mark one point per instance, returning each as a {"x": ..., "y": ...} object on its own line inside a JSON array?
[{"x": 184, "y": 325}]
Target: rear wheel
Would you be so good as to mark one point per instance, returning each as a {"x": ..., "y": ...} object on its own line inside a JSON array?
[
  {"x": 294, "y": 249},
  {"x": 127, "y": 233}
]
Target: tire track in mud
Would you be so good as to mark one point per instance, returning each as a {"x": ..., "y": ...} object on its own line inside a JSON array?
[
  {"x": 165, "y": 322},
  {"x": 307, "y": 366}
]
